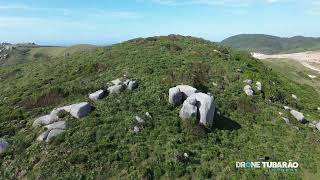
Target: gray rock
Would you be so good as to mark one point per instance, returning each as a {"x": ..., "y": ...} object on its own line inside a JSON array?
[
  {"x": 297, "y": 115},
  {"x": 318, "y": 126},
  {"x": 175, "y": 96},
  {"x": 132, "y": 85},
  {"x": 126, "y": 82},
  {"x": 136, "y": 129},
  {"x": 214, "y": 84},
  {"x": 311, "y": 125},
  {"x": 96, "y": 95},
  {"x": 287, "y": 108},
  {"x": 80, "y": 110},
  {"x": 53, "y": 133},
  {"x": 286, "y": 120},
  {"x": 186, "y": 91},
  {"x": 206, "y": 108},
  {"x": 248, "y": 81},
  {"x": 3, "y": 145},
  {"x": 294, "y": 96},
  {"x": 65, "y": 108},
  {"x": 116, "y": 82},
  {"x": 140, "y": 120},
  {"x": 116, "y": 89},
  {"x": 199, "y": 103},
  {"x": 188, "y": 111},
  {"x": 43, "y": 136},
  {"x": 248, "y": 90},
  {"x": 57, "y": 125},
  {"x": 148, "y": 115},
  {"x": 45, "y": 120},
  {"x": 259, "y": 86}
]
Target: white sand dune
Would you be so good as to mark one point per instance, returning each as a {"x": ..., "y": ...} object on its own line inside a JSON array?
[{"x": 310, "y": 59}]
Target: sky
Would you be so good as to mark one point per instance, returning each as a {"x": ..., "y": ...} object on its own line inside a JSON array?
[{"x": 102, "y": 22}]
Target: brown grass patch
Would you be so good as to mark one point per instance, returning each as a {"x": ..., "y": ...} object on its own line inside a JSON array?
[{"x": 48, "y": 99}]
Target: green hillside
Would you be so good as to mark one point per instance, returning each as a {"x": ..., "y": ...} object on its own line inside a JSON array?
[
  {"x": 24, "y": 54},
  {"x": 103, "y": 144},
  {"x": 272, "y": 44},
  {"x": 295, "y": 71}
]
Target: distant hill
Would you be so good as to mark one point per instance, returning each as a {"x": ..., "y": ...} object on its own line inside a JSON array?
[
  {"x": 11, "y": 54},
  {"x": 268, "y": 44}
]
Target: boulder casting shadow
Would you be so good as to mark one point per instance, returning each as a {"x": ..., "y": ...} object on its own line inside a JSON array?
[{"x": 225, "y": 123}]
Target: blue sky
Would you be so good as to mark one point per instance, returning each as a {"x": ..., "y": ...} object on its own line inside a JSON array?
[{"x": 62, "y": 22}]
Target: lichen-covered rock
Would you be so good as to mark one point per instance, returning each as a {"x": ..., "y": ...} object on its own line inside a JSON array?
[
  {"x": 53, "y": 133},
  {"x": 297, "y": 115},
  {"x": 45, "y": 120},
  {"x": 116, "y": 89},
  {"x": 80, "y": 110},
  {"x": 57, "y": 125},
  {"x": 3, "y": 145},
  {"x": 248, "y": 90},
  {"x": 132, "y": 85},
  {"x": 199, "y": 103},
  {"x": 96, "y": 95},
  {"x": 175, "y": 96}
]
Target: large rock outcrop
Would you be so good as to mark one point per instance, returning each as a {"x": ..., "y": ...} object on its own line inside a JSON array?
[{"x": 199, "y": 105}]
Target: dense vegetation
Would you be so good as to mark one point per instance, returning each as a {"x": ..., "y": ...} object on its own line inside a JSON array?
[
  {"x": 267, "y": 44},
  {"x": 24, "y": 54},
  {"x": 103, "y": 145}
]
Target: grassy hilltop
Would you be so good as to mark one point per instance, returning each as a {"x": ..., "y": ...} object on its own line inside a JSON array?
[
  {"x": 103, "y": 145},
  {"x": 24, "y": 54},
  {"x": 267, "y": 44}
]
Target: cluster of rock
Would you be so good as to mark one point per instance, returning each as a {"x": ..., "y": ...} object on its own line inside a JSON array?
[
  {"x": 194, "y": 104},
  {"x": 296, "y": 114},
  {"x": 3, "y": 145},
  {"x": 53, "y": 123},
  {"x": 117, "y": 87},
  {"x": 248, "y": 87},
  {"x": 140, "y": 122}
]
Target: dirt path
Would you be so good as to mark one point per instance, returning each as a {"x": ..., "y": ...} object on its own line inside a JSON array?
[{"x": 309, "y": 59}]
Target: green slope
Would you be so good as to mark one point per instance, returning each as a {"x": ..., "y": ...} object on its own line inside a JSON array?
[
  {"x": 295, "y": 71},
  {"x": 25, "y": 54},
  {"x": 103, "y": 146},
  {"x": 272, "y": 44}
]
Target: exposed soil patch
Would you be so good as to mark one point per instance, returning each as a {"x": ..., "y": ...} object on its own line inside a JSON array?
[{"x": 310, "y": 59}]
